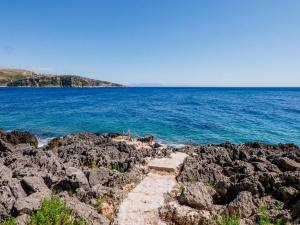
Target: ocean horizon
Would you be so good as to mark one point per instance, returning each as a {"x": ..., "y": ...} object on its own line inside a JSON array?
[{"x": 173, "y": 115}]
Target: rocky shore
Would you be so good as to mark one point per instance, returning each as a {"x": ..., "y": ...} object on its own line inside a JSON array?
[{"x": 250, "y": 183}]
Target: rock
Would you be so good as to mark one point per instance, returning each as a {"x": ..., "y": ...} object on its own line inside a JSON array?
[
  {"x": 17, "y": 189},
  {"x": 293, "y": 178},
  {"x": 99, "y": 176},
  {"x": 23, "y": 219},
  {"x": 34, "y": 184},
  {"x": 296, "y": 210},
  {"x": 5, "y": 148},
  {"x": 196, "y": 196},
  {"x": 148, "y": 139},
  {"x": 5, "y": 175},
  {"x": 85, "y": 211},
  {"x": 77, "y": 177},
  {"x": 242, "y": 205},
  {"x": 287, "y": 194},
  {"x": 21, "y": 137},
  {"x": 183, "y": 215},
  {"x": 7, "y": 201},
  {"x": 286, "y": 164},
  {"x": 30, "y": 203}
]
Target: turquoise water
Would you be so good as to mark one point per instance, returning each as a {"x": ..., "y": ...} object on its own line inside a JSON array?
[{"x": 172, "y": 115}]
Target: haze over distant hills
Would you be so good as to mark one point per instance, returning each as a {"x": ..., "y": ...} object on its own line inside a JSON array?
[{"x": 26, "y": 78}]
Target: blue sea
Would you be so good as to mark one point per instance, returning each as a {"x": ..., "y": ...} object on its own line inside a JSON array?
[{"x": 172, "y": 115}]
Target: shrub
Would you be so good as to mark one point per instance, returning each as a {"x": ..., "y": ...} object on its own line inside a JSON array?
[
  {"x": 9, "y": 221},
  {"x": 116, "y": 166},
  {"x": 264, "y": 218},
  {"x": 55, "y": 212},
  {"x": 228, "y": 220}
]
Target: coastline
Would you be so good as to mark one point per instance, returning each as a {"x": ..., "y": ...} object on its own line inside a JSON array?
[{"x": 213, "y": 180}]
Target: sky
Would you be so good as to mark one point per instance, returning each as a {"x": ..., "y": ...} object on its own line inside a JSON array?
[{"x": 168, "y": 42}]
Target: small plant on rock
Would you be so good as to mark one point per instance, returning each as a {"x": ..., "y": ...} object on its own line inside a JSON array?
[
  {"x": 209, "y": 183},
  {"x": 192, "y": 180},
  {"x": 228, "y": 220},
  {"x": 55, "y": 212},
  {"x": 181, "y": 189},
  {"x": 99, "y": 202},
  {"x": 94, "y": 165},
  {"x": 9, "y": 221},
  {"x": 116, "y": 166},
  {"x": 264, "y": 218}
]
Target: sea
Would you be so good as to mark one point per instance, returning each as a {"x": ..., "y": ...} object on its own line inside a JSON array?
[{"x": 175, "y": 115}]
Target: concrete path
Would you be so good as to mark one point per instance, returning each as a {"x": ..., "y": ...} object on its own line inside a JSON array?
[{"x": 142, "y": 203}]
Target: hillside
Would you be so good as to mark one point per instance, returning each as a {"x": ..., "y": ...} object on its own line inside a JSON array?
[{"x": 25, "y": 78}]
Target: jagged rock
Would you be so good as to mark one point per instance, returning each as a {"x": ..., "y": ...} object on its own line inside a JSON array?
[
  {"x": 85, "y": 211},
  {"x": 286, "y": 164},
  {"x": 77, "y": 177},
  {"x": 5, "y": 175},
  {"x": 30, "y": 203},
  {"x": 287, "y": 194},
  {"x": 34, "y": 184},
  {"x": 99, "y": 176},
  {"x": 7, "y": 201},
  {"x": 296, "y": 209},
  {"x": 293, "y": 178},
  {"x": 183, "y": 215},
  {"x": 197, "y": 196},
  {"x": 23, "y": 219},
  {"x": 21, "y": 137},
  {"x": 148, "y": 139},
  {"x": 242, "y": 205},
  {"x": 17, "y": 189}
]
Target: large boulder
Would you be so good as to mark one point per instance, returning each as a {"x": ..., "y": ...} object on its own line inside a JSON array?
[
  {"x": 30, "y": 203},
  {"x": 34, "y": 184},
  {"x": 183, "y": 215},
  {"x": 77, "y": 177},
  {"x": 7, "y": 201},
  {"x": 99, "y": 176},
  {"x": 196, "y": 196},
  {"x": 85, "y": 211},
  {"x": 21, "y": 137},
  {"x": 242, "y": 205},
  {"x": 286, "y": 164}
]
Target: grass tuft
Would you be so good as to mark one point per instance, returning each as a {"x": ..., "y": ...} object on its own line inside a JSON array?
[
  {"x": 228, "y": 220},
  {"x": 9, "y": 221},
  {"x": 116, "y": 166},
  {"x": 55, "y": 212}
]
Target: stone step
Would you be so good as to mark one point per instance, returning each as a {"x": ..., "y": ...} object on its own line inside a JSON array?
[{"x": 171, "y": 165}]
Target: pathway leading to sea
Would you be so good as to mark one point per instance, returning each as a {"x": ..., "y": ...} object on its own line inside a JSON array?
[{"x": 142, "y": 203}]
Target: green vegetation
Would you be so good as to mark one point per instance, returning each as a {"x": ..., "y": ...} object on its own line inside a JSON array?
[
  {"x": 209, "y": 183},
  {"x": 228, "y": 220},
  {"x": 116, "y": 166},
  {"x": 192, "y": 180},
  {"x": 264, "y": 218},
  {"x": 9, "y": 221},
  {"x": 55, "y": 212},
  {"x": 99, "y": 202},
  {"x": 94, "y": 165},
  {"x": 181, "y": 189}
]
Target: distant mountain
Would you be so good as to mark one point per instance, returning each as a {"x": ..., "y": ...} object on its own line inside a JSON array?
[{"x": 25, "y": 78}]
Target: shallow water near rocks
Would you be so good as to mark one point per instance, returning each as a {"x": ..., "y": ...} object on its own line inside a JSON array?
[{"x": 172, "y": 115}]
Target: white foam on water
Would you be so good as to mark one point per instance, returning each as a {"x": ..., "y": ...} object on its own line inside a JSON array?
[{"x": 43, "y": 141}]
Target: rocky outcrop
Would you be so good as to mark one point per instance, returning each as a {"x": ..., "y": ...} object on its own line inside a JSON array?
[
  {"x": 22, "y": 78},
  {"x": 93, "y": 174},
  {"x": 85, "y": 170}
]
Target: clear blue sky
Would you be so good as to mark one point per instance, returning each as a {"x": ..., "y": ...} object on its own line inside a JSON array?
[{"x": 176, "y": 42}]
